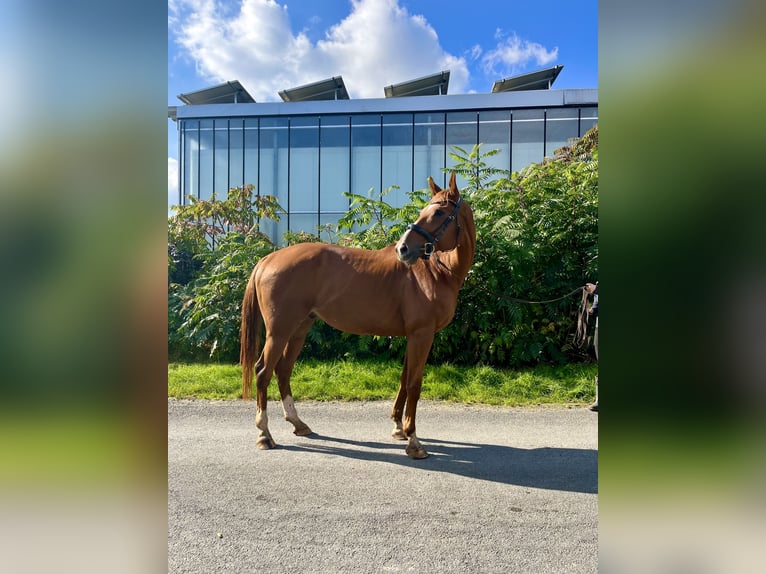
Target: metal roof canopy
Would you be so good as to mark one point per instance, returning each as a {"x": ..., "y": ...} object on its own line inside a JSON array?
[
  {"x": 539, "y": 80},
  {"x": 455, "y": 102},
  {"x": 330, "y": 89},
  {"x": 434, "y": 85},
  {"x": 227, "y": 93}
]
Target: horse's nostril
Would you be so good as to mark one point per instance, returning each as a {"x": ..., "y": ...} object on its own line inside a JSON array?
[{"x": 402, "y": 249}]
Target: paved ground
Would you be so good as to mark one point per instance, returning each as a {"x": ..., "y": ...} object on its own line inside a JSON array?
[{"x": 504, "y": 490}]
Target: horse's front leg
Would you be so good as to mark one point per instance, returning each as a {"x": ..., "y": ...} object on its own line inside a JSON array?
[
  {"x": 398, "y": 410},
  {"x": 418, "y": 347}
]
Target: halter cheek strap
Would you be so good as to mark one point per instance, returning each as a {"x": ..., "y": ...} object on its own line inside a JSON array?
[
  {"x": 428, "y": 246},
  {"x": 431, "y": 240}
]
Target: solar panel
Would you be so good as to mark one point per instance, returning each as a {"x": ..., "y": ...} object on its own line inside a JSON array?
[
  {"x": 330, "y": 89},
  {"x": 538, "y": 80},
  {"x": 434, "y": 85},
  {"x": 227, "y": 93}
]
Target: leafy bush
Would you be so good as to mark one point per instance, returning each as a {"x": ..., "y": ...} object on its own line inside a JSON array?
[
  {"x": 537, "y": 239},
  {"x": 372, "y": 223},
  {"x": 223, "y": 241}
]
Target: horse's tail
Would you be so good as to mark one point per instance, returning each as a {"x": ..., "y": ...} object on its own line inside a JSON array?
[{"x": 250, "y": 336}]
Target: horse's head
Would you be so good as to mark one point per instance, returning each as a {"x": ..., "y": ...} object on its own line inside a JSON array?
[{"x": 437, "y": 223}]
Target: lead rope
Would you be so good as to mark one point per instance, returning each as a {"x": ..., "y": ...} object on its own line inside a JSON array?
[
  {"x": 527, "y": 301},
  {"x": 581, "y": 335}
]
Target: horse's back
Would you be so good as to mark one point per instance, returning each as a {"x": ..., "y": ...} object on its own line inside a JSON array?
[
  {"x": 319, "y": 259},
  {"x": 355, "y": 290}
]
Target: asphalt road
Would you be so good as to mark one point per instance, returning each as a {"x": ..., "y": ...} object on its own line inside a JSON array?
[{"x": 504, "y": 490}]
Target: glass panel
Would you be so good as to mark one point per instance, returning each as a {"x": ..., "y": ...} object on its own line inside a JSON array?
[
  {"x": 495, "y": 133},
  {"x": 429, "y": 150},
  {"x": 462, "y": 131},
  {"x": 175, "y": 199},
  {"x": 190, "y": 146},
  {"x": 306, "y": 222},
  {"x": 365, "y": 154},
  {"x": 236, "y": 135},
  {"x": 221, "y": 158},
  {"x": 527, "y": 143},
  {"x": 251, "y": 152},
  {"x": 273, "y": 163},
  {"x": 560, "y": 127},
  {"x": 304, "y": 165},
  {"x": 206, "y": 159},
  {"x": 271, "y": 230},
  {"x": 335, "y": 155},
  {"x": 588, "y": 119},
  {"x": 397, "y": 157}
]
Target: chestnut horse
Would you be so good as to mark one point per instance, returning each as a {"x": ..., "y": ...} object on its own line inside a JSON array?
[{"x": 407, "y": 289}]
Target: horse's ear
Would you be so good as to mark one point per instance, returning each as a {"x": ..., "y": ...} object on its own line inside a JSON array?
[
  {"x": 452, "y": 184},
  {"x": 434, "y": 188}
]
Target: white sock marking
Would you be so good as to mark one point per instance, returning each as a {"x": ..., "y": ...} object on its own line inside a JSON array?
[{"x": 288, "y": 406}]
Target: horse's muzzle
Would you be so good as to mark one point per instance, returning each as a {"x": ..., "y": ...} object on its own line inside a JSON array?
[{"x": 405, "y": 254}]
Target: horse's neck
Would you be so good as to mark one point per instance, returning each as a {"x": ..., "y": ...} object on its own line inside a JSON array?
[{"x": 459, "y": 260}]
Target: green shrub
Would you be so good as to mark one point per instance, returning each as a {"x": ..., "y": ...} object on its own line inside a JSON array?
[
  {"x": 223, "y": 239},
  {"x": 537, "y": 239}
]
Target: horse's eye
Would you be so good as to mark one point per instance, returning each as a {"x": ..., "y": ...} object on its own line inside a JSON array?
[{"x": 439, "y": 213}]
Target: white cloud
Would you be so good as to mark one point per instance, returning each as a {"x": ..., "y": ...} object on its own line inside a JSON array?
[
  {"x": 513, "y": 54},
  {"x": 379, "y": 43},
  {"x": 172, "y": 183}
]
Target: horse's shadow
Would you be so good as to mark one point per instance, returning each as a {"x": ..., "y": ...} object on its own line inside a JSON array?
[{"x": 567, "y": 469}]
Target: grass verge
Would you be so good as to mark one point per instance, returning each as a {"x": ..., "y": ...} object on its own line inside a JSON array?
[{"x": 351, "y": 380}]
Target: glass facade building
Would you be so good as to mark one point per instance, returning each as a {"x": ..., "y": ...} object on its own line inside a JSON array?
[{"x": 308, "y": 153}]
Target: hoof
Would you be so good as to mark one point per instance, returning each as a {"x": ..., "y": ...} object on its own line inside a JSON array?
[
  {"x": 302, "y": 431},
  {"x": 398, "y": 434},
  {"x": 265, "y": 443},
  {"x": 416, "y": 452}
]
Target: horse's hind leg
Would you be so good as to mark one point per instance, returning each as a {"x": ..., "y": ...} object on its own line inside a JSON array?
[
  {"x": 284, "y": 371},
  {"x": 264, "y": 368},
  {"x": 398, "y": 410}
]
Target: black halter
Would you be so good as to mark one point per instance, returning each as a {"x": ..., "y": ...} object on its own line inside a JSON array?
[{"x": 432, "y": 239}]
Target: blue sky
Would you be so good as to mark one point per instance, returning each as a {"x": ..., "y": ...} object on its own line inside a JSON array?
[{"x": 271, "y": 45}]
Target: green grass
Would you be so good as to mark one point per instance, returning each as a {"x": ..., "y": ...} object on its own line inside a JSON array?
[{"x": 370, "y": 380}]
